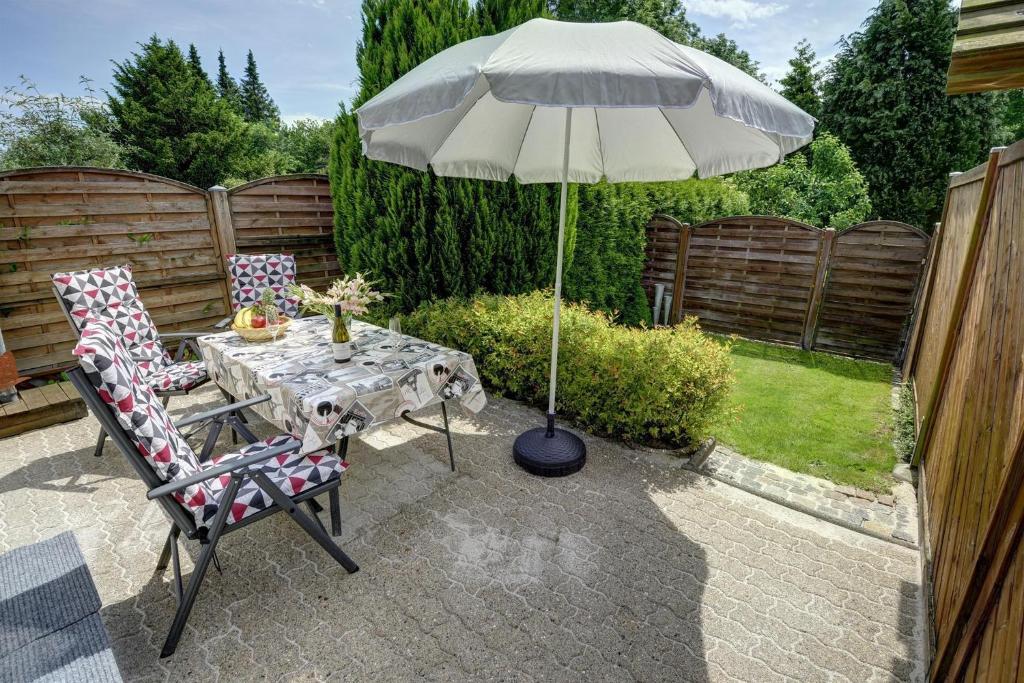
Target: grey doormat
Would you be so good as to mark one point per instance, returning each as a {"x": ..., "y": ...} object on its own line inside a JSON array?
[{"x": 50, "y": 628}]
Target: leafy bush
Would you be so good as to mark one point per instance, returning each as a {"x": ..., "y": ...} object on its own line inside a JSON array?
[
  {"x": 904, "y": 436},
  {"x": 608, "y": 260},
  {"x": 828, "y": 192},
  {"x": 664, "y": 387}
]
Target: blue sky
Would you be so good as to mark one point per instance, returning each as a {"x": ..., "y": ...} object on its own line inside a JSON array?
[{"x": 305, "y": 49}]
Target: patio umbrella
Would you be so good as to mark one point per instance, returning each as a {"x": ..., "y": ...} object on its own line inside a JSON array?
[{"x": 551, "y": 101}]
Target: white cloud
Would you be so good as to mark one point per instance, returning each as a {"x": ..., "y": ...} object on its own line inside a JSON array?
[{"x": 740, "y": 12}]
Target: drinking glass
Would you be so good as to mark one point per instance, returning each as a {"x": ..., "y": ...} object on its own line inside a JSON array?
[{"x": 395, "y": 325}]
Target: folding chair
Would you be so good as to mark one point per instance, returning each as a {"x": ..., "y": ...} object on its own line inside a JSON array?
[
  {"x": 251, "y": 274},
  {"x": 204, "y": 501},
  {"x": 111, "y": 294}
]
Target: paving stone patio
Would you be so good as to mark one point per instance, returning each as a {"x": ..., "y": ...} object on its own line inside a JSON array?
[
  {"x": 892, "y": 517},
  {"x": 626, "y": 571}
]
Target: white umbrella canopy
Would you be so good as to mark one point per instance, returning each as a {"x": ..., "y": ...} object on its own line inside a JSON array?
[
  {"x": 551, "y": 101},
  {"x": 646, "y": 109}
]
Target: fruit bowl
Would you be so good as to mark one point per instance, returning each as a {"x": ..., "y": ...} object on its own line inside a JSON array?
[{"x": 262, "y": 334}]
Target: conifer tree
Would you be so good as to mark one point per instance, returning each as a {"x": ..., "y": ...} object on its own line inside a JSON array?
[
  {"x": 257, "y": 105},
  {"x": 885, "y": 98},
  {"x": 181, "y": 130},
  {"x": 800, "y": 84},
  {"x": 197, "y": 65},
  {"x": 425, "y": 236},
  {"x": 227, "y": 88}
]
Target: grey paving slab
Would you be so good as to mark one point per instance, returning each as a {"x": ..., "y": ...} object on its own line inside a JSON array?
[
  {"x": 891, "y": 517},
  {"x": 626, "y": 571}
]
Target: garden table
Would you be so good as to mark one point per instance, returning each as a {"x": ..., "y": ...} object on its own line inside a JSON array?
[{"x": 324, "y": 402}]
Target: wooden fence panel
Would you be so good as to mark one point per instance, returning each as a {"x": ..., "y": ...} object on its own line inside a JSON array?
[
  {"x": 947, "y": 268},
  {"x": 57, "y": 219},
  {"x": 873, "y": 276},
  {"x": 288, "y": 214},
  {"x": 973, "y": 449},
  {"x": 752, "y": 276}
]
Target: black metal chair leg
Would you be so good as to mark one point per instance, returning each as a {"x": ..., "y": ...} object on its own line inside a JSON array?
[
  {"x": 335, "y": 501},
  {"x": 211, "y": 440},
  {"x": 448, "y": 435},
  {"x": 312, "y": 505},
  {"x": 308, "y": 525},
  {"x": 165, "y": 554},
  {"x": 315, "y": 506},
  {"x": 100, "y": 440},
  {"x": 188, "y": 598}
]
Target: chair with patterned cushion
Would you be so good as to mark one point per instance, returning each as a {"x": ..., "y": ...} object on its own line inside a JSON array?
[
  {"x": 111, "y": 294},
  {"x": 204, "y": 500},
  {"x": 251, "y": 274}
]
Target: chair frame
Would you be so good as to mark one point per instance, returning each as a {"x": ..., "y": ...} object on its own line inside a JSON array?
[
  {"x": 182, "y": 522},
  {"x": 186, "y": 341}
]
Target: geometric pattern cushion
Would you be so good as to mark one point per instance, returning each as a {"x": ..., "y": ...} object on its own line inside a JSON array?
[
  {"x": 110, "y": 294},
  {"x": 253, "y": 273},
  {"x": 292, "y": 472},
  {"x": 117, "y": 381},
  {"x": 182, "y": 376}
]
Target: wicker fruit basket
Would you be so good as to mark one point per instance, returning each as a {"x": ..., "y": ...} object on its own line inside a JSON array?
[{"x": 263, "y": 334}]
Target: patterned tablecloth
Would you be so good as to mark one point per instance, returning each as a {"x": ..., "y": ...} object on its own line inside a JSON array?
[{"x": 323, "y": 401}]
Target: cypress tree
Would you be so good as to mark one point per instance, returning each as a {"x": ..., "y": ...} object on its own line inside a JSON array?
[
  {"x": 197, "y": 65},
  {"x": 227, "y": 88},
  {"x": 800, "y": 85},
  {"x": 180, "y": 129},
  {"x": 885, "y": 98},
  {"x": 257, "y": 105},
  {"x": 426, "y": 236}
]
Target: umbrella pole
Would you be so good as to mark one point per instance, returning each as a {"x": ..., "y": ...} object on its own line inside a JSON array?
[
  {"x": 551, "y": 452},
  {"x": 558, "y": 275}
]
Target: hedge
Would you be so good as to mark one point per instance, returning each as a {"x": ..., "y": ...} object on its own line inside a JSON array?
[{"x": 664, "y": 387}]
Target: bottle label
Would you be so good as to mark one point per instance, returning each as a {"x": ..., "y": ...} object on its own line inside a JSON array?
[{"x": 342, "y": 352}]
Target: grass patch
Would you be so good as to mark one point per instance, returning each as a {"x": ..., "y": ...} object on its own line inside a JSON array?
[{"x": 814, "y": 413}]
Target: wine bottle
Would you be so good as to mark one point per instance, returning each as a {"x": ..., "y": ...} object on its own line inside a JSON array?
[{"x": 341, "y": 343}]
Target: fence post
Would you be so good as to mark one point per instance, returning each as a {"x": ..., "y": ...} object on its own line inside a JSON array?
[
  {"x": 224, "y": 231},
  {"x": 981, "y": 220},
  {"x": 810, "y": 331},
  {"x": 679, "y": 283}
]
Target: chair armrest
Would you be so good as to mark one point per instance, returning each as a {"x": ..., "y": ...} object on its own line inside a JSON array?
[
  {"x": 182, "y": 335},
  {"x": 218, "y": 470},
  {"x": 210, "y": 414},
  {"x": 223, "y": 324}
]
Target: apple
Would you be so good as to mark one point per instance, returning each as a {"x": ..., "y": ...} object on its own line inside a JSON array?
[{"x": 259, "y": 321}]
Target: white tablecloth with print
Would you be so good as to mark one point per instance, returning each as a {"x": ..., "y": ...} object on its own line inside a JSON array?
[{"x": 322, "y": 401}]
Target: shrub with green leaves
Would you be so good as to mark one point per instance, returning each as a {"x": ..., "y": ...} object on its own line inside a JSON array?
[{"x": 663, "y": 387}]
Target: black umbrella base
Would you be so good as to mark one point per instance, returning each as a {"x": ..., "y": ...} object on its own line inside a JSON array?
[{"x": 550, "y": 452}]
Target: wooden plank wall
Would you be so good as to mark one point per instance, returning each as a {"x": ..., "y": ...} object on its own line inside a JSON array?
[
  {"x": 288, "y": 214},
  {"x": 873, "y": 277},
  {"x": 174, "y": 235},
  {"x": 64, "y": 219},
  {"x": 948, "y": 261},
  {"x": 972, "y": 451},
  {"x": 785, "y": 281}
]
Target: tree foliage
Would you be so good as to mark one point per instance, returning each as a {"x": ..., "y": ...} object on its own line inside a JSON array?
[
  {"x": 196, "y": 63},
  {"x": 885, "y": 98},
  {"x": 426, "y": 236},
  {"x": 828, "y": 191},
  {"x": 801, "y": 83},
  {"x": 55, "y": 130},
  {"x": 611, "y": 237},
  {"x": 227, "y": 87},
  {"x": 257, "y": 105},
  {"x": 170, "y": 121}
]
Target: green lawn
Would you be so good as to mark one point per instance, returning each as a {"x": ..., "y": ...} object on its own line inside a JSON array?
[{"x": 812, "y": 413}]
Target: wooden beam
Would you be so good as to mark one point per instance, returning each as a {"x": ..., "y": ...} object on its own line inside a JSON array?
[{"x": 679, "y": 282}]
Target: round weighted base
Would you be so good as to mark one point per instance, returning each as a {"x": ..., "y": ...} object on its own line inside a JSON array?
[{"x": 549, "y": 452}]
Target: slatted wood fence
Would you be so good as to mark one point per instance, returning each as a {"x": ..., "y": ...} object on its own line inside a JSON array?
[
  {"x": 968, "y": 365},
  {"x": 174, "y": 235},
  {"x": 784, "y": 281}
]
